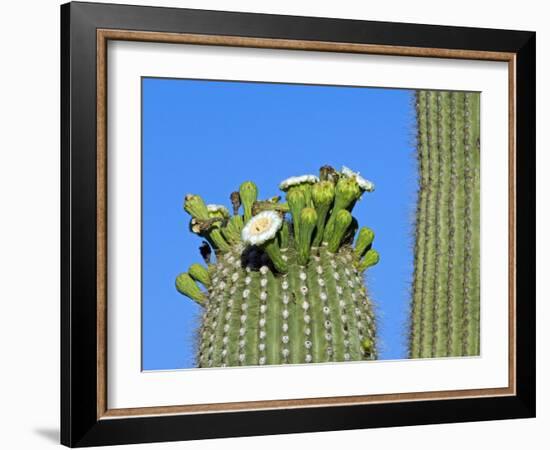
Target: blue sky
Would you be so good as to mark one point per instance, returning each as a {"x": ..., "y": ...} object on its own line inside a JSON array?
[{"x": 206, "y": 137}]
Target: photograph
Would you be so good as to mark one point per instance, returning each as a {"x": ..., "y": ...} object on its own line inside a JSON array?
[{"x": 307, "y": 223}]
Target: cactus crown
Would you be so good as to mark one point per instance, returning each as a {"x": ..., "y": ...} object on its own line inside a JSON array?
[{"x": 286, "y": 286}]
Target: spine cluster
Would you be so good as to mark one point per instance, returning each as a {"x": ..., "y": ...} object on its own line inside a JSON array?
[{"x": 445, "y": 304}]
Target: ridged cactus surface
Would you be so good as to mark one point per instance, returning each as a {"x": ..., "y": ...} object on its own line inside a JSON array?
[
  {"x": 446, "y": 287},
  {"x": 287, "y": 285}
]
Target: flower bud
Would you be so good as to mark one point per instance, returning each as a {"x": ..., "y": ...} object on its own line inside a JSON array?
[
  {"x": 248, "y": 192},
  {"x": 296, "y": 202},
  {"x": 370, "y": 259},
  {"x": 195, "y": 206},
  {"x": 364, "y": 240},
  {"x": 200, "y": 273},
  {"x": 342, "y": 221},
  {"x": 308, "y": 221},
  {"x": 187, "y": 286}
]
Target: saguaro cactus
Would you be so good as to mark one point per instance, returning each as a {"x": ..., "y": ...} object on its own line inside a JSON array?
[
  {"x": 287, "y": 285},
  {"x": 445, "y": 304}
]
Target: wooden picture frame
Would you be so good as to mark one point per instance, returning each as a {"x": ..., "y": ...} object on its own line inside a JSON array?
[{"x": 86, "y": 418}]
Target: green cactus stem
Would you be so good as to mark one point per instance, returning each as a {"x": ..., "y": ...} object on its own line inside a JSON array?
[
  {"x": 248, "y": 192},
  {"x": 297, "y": 202},
  {"x": 445, "y": 301},
  {"x": 322, "y": 195},
  {"x": 308, "y": 220},
  {"x": 277, "y": 297}
]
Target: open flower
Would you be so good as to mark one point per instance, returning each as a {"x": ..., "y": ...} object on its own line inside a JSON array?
[
  {"x": 262, "y": 227},
  {"x": 364, "y": 184},
  {"x": 296, "y": 181}
]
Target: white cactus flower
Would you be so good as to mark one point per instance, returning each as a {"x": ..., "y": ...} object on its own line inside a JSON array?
[
  {"x": 295, "y": 181},
  {"x": 363, "y": 183},
  {"x": 262, "y": 227}
]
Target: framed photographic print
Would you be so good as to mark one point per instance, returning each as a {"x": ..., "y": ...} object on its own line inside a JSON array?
[{"x": 277, "y": 224}]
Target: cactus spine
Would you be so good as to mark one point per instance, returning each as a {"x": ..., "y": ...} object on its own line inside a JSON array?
[
  {"x": 445, "y": 297},
  {"x": 283, "y": 290}
]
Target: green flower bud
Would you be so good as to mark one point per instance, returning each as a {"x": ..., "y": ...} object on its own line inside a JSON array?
[
  {"x": 370, "y": 259},
  {"x": 248, "y": 192},
  {"x": 346, "y": 193},
  {"x": 195, "y": 206},
  {"x": 296, "y": 202},
  {"x": 284, "y": 235},
  {"x": 200, "y": 273},
  {"x": 364, "y": 241},
  {"x": 187, "y": 286},
  {"x": 323, "y": 195},
  {"x": 308, "y": 221},
  {"x": 342, "y": 221}
]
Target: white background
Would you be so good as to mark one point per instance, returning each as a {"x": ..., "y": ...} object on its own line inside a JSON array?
[{"x": 29, "y": 236}]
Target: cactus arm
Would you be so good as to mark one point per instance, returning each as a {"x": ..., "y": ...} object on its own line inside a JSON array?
[
  {"x": 273, "y": 320},
  {"x": 475, "y": 323},
  {"x": 440, "y": 301},
  {"x": 417, "y": 306},
  {"x": 267, "y": 306},
  {"x": 471, "y": 241},
  {"x": 427, "y": 326},
  {"x": 456, "y": 246},
  {"x": 445, "y": 307}
]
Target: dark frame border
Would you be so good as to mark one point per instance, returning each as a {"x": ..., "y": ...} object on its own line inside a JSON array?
[{"x": 80, "y": 425}]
